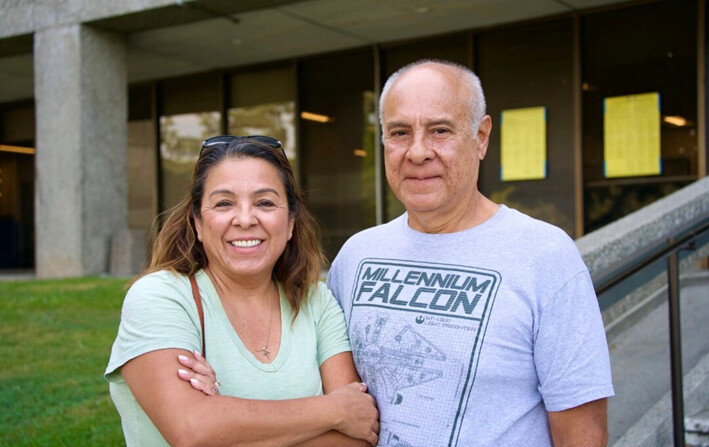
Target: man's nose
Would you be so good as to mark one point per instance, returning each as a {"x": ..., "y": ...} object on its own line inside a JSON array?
[{"x": 420, "y": 150}]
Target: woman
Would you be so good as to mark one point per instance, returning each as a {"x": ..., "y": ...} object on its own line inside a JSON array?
[{"x": 272, "y": 332}]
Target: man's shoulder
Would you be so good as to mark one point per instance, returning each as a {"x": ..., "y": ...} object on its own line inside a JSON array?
[
  {"x": 518, "y": 232},
  {"x": 376, "y": 232},
  {"x": 525, "y": 223},
  {"x": 364, "y": 243}
]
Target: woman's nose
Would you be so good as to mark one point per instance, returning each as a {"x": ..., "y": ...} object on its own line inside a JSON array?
[{"x": 244, "y": 217}]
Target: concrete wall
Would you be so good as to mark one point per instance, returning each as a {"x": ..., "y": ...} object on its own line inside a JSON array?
[
  {"x": 18, "y": 17},
  {"x": 81, "y": 105}
]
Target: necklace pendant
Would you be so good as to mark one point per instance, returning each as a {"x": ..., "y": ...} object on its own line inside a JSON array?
[{"x": 265, "y": 352}]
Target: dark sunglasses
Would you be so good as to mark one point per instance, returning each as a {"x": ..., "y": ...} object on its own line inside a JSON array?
[{"x": 227, "y": 139}]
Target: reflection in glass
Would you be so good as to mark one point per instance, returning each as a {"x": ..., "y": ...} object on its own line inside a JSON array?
[
  {"x": 337, "y": 137},
  {"x": 181, "y": 138},
  {"x": 142, "y": 194},
  {"x": 274, "y": 119},
  {"x": 367, "y": 189}
]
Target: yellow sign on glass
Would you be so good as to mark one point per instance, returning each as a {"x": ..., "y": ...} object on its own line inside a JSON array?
[
  {"x": 631, "y": 138},
  {"x": 523, "y": 152}
]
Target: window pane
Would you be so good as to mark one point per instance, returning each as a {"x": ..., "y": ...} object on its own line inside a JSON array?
[
  {"x": 142, "y": 191},
  {"x": 262, "y": 102},
  {"x": 337, "y": 134},
  {"x": 532, "y": 66},
  {"x": 181, "y": 138},
  {"x": 189, "y": 115},
  {"x": 644, "y": 49},
  {"x": 276, "y": 120}
]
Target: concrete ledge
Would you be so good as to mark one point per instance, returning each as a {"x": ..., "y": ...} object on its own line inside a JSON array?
[
  {"x": 637, "y": 231},
  {"x": 605, "y": 247},
  {"x": 655, "y": 428}
]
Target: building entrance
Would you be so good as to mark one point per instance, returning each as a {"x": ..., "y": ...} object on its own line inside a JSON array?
[{"x": 16, "y": 207}]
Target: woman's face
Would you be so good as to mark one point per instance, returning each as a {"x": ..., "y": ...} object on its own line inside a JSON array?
[{"x": 245, "y": 223}]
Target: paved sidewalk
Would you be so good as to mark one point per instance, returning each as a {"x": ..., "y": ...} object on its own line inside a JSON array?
[
  {"x": 15, "y": 275},
  {"x": 640, "y": 356}
]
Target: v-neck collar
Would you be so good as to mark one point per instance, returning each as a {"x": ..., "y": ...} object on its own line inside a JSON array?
[{"x": 223, "y": 320}]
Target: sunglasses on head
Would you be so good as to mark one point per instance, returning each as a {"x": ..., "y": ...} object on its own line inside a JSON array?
[{"x": 227, "y": 139}]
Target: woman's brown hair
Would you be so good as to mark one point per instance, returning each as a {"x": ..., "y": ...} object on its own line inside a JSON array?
[{"x": 175, "y": 246}]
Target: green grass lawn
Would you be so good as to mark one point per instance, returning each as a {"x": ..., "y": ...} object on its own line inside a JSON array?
[{"x": 55, "y": 339}]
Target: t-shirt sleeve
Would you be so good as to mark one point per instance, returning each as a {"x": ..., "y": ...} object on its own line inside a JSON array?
[
  {"x": 333, "y": 280},
  {"x": 330, "y": 324},
  {"x": 571, "y": 351},
  {"x": 158, "y": 313}
]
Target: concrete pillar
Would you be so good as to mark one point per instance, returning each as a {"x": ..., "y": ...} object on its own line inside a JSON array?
[{"x": 81, "y": 116}]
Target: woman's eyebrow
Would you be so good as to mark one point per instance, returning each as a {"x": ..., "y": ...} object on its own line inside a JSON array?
[
  {"x": 266, "y": 190},
  {"x": 221, "y": 191},
  {"x": 255, "y": 193}
]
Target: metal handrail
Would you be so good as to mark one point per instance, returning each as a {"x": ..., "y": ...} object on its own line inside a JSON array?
[
  {"x": 610, "y": 277},
  {"x": 682, "y": 239}
]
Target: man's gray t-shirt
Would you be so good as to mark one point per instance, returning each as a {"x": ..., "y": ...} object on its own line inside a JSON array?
[{"x": 469, "y": 338}]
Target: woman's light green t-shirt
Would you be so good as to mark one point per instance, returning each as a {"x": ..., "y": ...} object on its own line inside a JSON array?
[{"x": 159, "y": 312}]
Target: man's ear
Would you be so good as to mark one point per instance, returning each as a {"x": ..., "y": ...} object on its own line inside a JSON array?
[{"x": 483, "y": 136}]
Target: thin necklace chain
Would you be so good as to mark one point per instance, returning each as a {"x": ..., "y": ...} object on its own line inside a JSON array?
[{"x": 264, "y": 349}]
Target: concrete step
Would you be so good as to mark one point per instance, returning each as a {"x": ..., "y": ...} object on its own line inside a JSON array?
[
  {"x": 641, "y": 413},
  {"x": 697, "y": 429}
]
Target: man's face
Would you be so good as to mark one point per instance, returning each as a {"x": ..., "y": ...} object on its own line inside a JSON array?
[{"x": 431, "y": 156}]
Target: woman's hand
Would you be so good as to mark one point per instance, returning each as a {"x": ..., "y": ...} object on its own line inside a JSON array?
[
  {"x": 199, "y": 374},
  {"x": 360, "y": 417}
]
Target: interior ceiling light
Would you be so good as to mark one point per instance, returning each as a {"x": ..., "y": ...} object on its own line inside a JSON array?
[
  {"x": 315, "y": 117},
  {"x": 17, "y": 149},
  {"x": 360, "y": 153},
  {"x": 675, "y": 120}
]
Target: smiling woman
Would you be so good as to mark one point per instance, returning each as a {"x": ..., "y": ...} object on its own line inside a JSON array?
[
  {"x": 242, "y": 241},
  {"x": 244, "y": 223}
]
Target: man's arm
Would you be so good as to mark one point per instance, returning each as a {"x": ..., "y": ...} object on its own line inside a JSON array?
[
  {"x": 337, "y": 371},
  {"x": 582, "y": 426}
]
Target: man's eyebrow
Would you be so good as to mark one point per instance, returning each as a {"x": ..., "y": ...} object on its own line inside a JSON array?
[
  {"x": 442, "y": 121},
  {"x": 436, "y": 122},
  {"x": 391, "y": 124}
]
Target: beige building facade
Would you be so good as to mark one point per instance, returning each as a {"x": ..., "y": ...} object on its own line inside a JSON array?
[{"x": 103, "y": 106}]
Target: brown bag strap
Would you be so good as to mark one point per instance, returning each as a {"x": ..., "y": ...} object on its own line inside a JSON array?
[{"x": 198, "y": 301}]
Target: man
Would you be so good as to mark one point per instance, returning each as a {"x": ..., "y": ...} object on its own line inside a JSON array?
[{"x": 471, "y": 323}]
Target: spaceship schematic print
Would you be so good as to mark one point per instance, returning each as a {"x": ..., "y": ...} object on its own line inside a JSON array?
[
  {"x": 416, "y": 331},
  {"x": 395, "y": 361}
]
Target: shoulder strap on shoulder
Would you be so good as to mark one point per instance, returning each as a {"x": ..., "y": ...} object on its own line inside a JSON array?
[{"x": 198, "y": 301}]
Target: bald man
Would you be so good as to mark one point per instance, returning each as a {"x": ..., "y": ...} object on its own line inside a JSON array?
[{"x": 472, "y": 323}]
